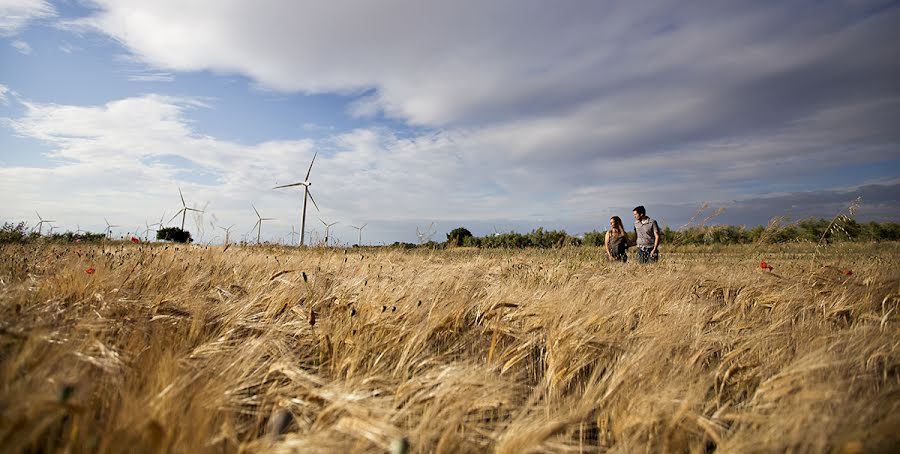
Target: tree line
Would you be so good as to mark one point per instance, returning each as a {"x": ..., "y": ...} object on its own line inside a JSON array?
[{"x": 808, "y": 230}]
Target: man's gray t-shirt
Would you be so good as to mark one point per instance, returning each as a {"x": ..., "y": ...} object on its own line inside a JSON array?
[{"x": 644, "y": 230}]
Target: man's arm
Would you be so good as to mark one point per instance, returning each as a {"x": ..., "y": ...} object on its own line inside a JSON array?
[{"x": 655, "y": 238}]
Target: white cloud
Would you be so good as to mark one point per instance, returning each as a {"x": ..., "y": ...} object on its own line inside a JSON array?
[
  {"x": 16, "y": 14},
  {"x": 21, "y": 46},
  {"x": 472, "y": 61},
  {"x": 3, "y": 91}
]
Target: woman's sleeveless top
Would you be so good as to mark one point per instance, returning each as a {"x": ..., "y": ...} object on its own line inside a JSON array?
[{"x": 617, "y": 244}]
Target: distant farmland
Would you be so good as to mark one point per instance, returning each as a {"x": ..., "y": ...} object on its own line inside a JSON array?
[{"x": 131, "y": 348}]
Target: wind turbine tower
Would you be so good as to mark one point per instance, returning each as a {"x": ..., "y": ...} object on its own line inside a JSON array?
[{"x": 306, "y": 195}]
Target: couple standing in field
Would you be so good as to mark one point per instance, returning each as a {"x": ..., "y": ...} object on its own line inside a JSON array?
[{"x": 646, "y": 232}]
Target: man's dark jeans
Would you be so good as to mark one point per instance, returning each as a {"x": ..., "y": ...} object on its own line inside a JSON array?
[{"x": 643, "y": 255}]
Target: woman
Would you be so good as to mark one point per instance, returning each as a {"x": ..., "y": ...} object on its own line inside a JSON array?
[{"x": 616, "y": 240}]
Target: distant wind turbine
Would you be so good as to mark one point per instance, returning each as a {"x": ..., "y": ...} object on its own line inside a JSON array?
[
  {"x": 360, "y": 232},
  {"x": 425, "y": 235},
  {"x": 227, "y": 232},
  {"x": 50, "y": 230},
  {"x": 108, "y": 231},
  {"x": 293, "y": 234},
  {"x": 306, "y": 194},
  {"x": 149, "y": 225},
  {"x": 41, "y": 222},
  {"x": 327, "y": 226},
  {"x": 183, "y": 211},
  {"x": 259, "y": 223}
]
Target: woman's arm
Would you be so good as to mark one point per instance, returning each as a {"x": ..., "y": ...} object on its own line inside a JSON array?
[{"x": 606, "y": 244}]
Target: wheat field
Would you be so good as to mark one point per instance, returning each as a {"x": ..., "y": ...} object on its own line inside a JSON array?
[{"x": 152, "y": 348}]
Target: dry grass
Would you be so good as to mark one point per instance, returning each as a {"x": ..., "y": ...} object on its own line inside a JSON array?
[{"x": 194, "y": 349}]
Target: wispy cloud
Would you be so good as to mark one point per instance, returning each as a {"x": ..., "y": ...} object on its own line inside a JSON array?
[
  {"x": 68, "y": 48},
  {"x": 152, "y": 77},
  {"x": 16, "y": 14},
  {"x": 21, "y": 46}
]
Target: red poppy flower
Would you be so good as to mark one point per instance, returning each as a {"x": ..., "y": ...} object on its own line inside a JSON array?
[
  {"x": 135, "y": 240},
  {"x": 90, "y": 270},
  {"x": 847, "y": 272},
  {"x": 763, "y": 265}
]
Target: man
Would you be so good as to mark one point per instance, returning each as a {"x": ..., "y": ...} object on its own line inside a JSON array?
[{"x": 646, "y": 231}]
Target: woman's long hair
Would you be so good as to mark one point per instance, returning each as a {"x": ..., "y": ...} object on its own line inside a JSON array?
[{"x": 617, "y": 224}]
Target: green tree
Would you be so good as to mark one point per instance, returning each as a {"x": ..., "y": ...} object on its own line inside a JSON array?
[
  {"x": 13, "y": 233},
  {"x": 174, "y": 234},
  {"x": 458, "y": 236}
]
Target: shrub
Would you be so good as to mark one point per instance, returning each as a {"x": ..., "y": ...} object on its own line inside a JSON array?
[
  {"x": 457, "y": 236},
  {"x": 13, "y": 233},
  {"x": 174, "y": 234}
]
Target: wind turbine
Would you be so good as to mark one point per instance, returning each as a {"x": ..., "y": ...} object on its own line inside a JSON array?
[
  {"x": 327, "y": 226},
  {"x": 360, "y": 232},
  {"x": 50, "y": 230},
  {"x": 227, "y": 232},
  {"x": 259, "y": 223},
  {"x": 306, "y": 194},
  {"x": 41, "y": 223},
  {"x": 425, "y": 235},
  {"x": 293, "y": 234},
  {"x": 147, "y": 223},
  {"x": 183, "y": 211},
  {"x": 109, "y": 227}
]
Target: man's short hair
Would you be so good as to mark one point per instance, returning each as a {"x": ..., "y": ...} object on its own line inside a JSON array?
[{"x": 640, "y": 210}]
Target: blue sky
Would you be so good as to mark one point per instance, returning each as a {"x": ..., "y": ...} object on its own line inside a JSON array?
[{"x": 504, "y": 115}]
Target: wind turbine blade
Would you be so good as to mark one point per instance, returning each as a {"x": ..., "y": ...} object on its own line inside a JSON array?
[
  {"x": 289, "y": 185},
  {"x": 182, "y": 197},
  {"x": 310, "y": 166},
  {"x": 313, "y": 200},
  {"x": 38, "y": 215},
  {"x": 254, "y": 209},
  {"x": 176, "y": 215},
  {"x": 364, "y": 226},
  {"x": 323, "y": 222}
]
